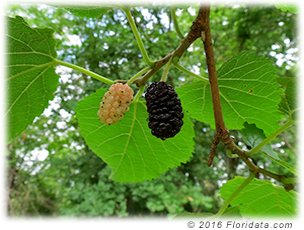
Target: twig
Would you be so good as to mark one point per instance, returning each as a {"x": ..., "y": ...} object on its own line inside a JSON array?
[
  {"x": 194, "y": 33},
  {"x": 221, "y": 131},
  {"x": 206, "y": 37},
  {"x": 212, "y": 152}
]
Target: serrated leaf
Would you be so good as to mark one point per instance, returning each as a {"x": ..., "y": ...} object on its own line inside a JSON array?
[
  {"x": 288, "y": 103},
  {"x": 31, "y": 75},
  {"x": 128, "y": 147},
  {"x": 248, "y": 90},
  {"x": 260, "y": 198},
  {"x": 253, "y": 136},
  {"x": 87, "y": 11}
]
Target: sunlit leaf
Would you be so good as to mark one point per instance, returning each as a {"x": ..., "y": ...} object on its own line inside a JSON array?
[
  {"x": 287, "y": 8},
  {"x": 248, "y": 90},
  {"x": 252, "y": 136},
  {"x": 87, "y": 11},
  {"x": 261, "y": 198},
  {"x": 128, "y": 147},
  {"x": 31, "y": 76},
  {"x": 288, "y": 103}
]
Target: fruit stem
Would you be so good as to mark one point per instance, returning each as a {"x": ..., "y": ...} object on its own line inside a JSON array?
[
  {"x": 137, "y": 36},
  {"x": 166, "y": 71},
  {"x": 132, "y": 79},
  {"x": 139, "y": 93},
  {"x": 85, "y": 71}
]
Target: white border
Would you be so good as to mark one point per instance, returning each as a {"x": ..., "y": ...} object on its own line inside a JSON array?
[{"x": 128, "y": 223}]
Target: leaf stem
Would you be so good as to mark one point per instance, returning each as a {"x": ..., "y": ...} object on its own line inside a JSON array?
[
  {"x": 137, "y": 37},
  {"x": 85, "y": 71},
  {"x": 183, "y": 69},
  {"x": 175, "y": 23},
  {"x": 257, "y": 148},
  {"x": 137, "y": 75},
  {"x": 234, "y": 195}
]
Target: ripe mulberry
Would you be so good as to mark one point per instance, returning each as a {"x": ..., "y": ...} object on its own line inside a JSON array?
[
  {"x": 165, "y": 110},
  {"x": 115, "y": 103}
]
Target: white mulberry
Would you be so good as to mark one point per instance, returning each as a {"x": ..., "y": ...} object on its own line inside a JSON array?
[{"x": 115, "y": 103}]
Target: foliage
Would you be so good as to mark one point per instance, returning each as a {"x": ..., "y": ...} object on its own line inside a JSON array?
[
  {"x": 31, "y": 76},
  {"x": 72, "y": 180},
  {"x": 244, "y": 96},
  {"x": 138, "y": 155},
  {"x": 261, "y": 198}
]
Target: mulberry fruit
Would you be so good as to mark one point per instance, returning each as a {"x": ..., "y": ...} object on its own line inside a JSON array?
[
  {"x": 115, "y": 103},
  {"x": 165, "y": 110}
]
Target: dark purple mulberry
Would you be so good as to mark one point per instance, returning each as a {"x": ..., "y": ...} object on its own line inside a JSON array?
[{"x": 165, "y": 110}]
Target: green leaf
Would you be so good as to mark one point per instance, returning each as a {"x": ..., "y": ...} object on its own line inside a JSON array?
[
  {"x": 253, "y": 136},
  {"x": 232, "y": 211},
  {"x": 287, "y": 8},
  {"x": 248, "y": 90},
  {"x": 261, "y": 198},
  {"x": 31, "y": 74},
  {"x": 87, "y": 11},
  {"x": 128, "y": 147},
  {"x": 288, "y": 103}
]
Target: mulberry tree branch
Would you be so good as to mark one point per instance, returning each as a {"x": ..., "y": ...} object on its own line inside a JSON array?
[
  {"x": 221, "y": 131},
  {"x": 194, "y": 33},
  {"x": 201, "y": 29}
]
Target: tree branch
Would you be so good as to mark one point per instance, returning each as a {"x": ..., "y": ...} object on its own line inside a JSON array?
[
  {"x": 221, "y": 131},
  {"x": 194, "y": 33},
  {"x": 206, "y": 37}
]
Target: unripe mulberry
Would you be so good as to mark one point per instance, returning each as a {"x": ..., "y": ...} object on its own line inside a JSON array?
[
  {"x": 165, "y": 110},
  {"x": 115, "y": 103}
]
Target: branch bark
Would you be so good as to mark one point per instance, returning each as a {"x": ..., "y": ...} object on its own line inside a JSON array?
[
  {"x": 194, "y": 33},
  {"x": 201, "y": 29},
  {"x": 221, "y": 131}
]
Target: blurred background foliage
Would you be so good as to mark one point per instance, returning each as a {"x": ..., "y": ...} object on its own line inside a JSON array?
[{"x": 50, "y": 169}]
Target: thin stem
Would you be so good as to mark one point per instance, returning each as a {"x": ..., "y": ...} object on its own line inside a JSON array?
[
  {"x": 137, "y": 37},
  {"x": 267, "y": 140},
  {"x": 234, "y": 195},
  {"x": 166, "y": 71},
  {"x": 132, "y": 79},
  {"x": 183, "y": 69},
  {"x": 215, "y": 93},
  {"x": 175, "y": 23},
  {"x": 85, "y": 71},
  {"x": 139, "y": 93}
]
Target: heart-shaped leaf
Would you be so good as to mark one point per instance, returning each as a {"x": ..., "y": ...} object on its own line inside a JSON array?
[
  {"x": 249, "y": 93},
  {"x": 128, "y": 146}
]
